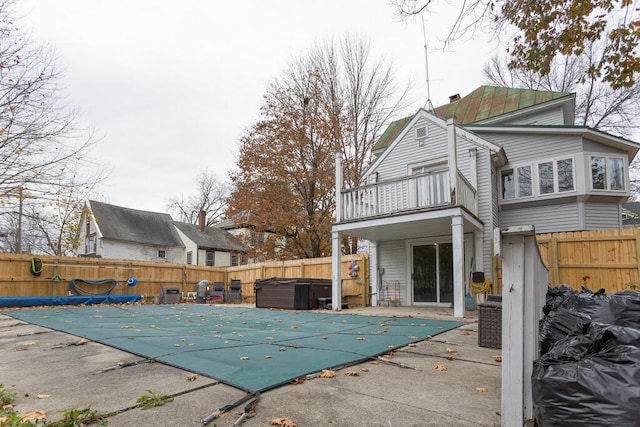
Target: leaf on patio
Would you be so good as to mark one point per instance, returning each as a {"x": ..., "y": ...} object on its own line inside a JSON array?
[
  {"x": 497, "y": 358},
  {"x": 297, "y": 381},
  {"x": 283, "y": 422},
  {"x": 327, "y": 373},
  {"x": 374, "y": 362},
  {"x": 361, "y": 338},
  {"x": 412, "y": 337},
  {"x": 127, "y": 327},
  {"x": 451, "y": 358},
  {"x": 192, "y": 377},
  {"x": 365, "y": 369},
  {"x": 42, "y": 396},
  {"x": 282, "y": 349},
  {"x": 244, "y": 358},
  {"x": 481, "y": 389},
  {"x": 34, "y": 416},
  {"x": 412, "y": 344},
  {"x": 324, "y": 337},
  {"x": 82, "y": 341},
  {"x": 351, "y": 373},
  {"x": 440, "y": 367},
  {"x": 465, "y": 333},
  {"x": 268, "y": 357},
  {"x": 452, "y": 350},
  {"x": 384, "y": 359}
]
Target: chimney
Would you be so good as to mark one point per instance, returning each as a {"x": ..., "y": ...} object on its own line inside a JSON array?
[
  {"x": 202, "y": 215},
  {"x": 454, "y": 98}
]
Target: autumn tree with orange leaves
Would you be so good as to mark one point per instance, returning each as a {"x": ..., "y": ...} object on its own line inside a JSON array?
[{"x": 336, "y": 97}]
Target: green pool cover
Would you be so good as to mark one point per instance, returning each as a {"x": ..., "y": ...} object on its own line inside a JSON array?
[{"x": 248, "y": 348}]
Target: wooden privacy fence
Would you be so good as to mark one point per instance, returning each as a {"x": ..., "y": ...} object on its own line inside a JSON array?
[
  {"x": 17, "y": 279},
  {"x": 602, "y": 259}
]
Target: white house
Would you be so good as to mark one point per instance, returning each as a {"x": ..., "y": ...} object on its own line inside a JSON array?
[{"x": 443, "y": 180}]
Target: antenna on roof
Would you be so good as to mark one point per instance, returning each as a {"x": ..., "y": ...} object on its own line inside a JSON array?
[{"x": 428, "y": 105}]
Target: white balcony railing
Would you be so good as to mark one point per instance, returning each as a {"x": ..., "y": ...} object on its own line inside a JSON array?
[{"x": 420, "y": 191}]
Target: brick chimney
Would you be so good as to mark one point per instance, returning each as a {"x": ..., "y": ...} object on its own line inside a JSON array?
[{"x": 202, "y": 215}]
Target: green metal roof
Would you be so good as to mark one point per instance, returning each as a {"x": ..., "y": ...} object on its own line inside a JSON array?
[
  {"x": 481, "y": 104},
  {"x": 491, "y": 101},
  {"x": 392, "y": 131}
]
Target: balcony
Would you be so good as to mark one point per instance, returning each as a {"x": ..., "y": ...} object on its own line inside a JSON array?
[{"x": 423, "y": 191}]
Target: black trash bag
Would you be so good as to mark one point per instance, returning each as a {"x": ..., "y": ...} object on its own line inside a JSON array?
[
  {"x": 623, "y": 310},
  {"x": 568, "y": 311},
  {"x": 591, "y": 378}
]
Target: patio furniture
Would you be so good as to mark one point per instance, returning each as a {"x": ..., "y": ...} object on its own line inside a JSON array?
[
  {"x": 235, "y": 291},
  {"x": 217, "y": 293}
]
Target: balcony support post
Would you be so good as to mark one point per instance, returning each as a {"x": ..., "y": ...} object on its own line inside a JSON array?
[{"x": 452, "y": 160}]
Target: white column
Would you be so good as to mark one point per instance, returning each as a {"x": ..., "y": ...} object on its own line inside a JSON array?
[
  {"x": 338, "y": 186},
  {"x": 457, "y": 238},
  {"x": 374, "y": 275},
  {"x": 452, "y": 159},
  {"x": 336, "y": 270}
]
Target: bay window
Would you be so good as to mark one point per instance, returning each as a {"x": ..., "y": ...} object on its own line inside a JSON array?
[{"x": 607, "y": 173}]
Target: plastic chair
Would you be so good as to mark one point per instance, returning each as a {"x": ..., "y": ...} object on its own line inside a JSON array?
[
  {"x": 217, "y": 293},
  {"x": 235, "y": 291}
]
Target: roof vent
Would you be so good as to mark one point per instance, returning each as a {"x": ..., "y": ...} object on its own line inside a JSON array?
[{"x": 454, "y": 98}]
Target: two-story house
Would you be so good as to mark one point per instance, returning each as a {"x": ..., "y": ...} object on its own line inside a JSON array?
[
  {"x": 442, "y": 181},
  {"x": 111, "y": 231}
]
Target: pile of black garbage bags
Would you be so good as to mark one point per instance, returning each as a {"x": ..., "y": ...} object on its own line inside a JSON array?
[{"x": 588, "y": 373}]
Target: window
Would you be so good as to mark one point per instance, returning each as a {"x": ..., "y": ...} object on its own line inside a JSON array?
[
  {"x": 421, "y": 135},
  {"x": 234, "y": 260},
  {"x": 607, "y": 173},
  {"x": 211, "y": 258},
  {"x": 91, "y": 244},
  {"x": 189, "y": 257},
  {"x": 162, "y": 253},
  {"x": 547, "y": 177},
  {"x": 516, "y": 184}
]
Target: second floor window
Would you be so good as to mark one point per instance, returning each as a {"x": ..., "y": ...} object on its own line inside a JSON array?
[
  {"x": 549, "y": 177},
  {"x": 162, "y": 253},
  {"x": 189, "y": 257},
  {"x": 607, "y": 173},
  {"x": 91, "y": 244}
]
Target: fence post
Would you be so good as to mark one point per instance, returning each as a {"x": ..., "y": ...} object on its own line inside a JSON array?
[{"x": 525, "y": 280}]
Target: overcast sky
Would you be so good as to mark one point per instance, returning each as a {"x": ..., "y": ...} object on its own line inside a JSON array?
[{"x": 170, "y": 86}]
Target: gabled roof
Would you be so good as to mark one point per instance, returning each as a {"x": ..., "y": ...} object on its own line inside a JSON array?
[
  {"x": 489, "y": 102},
  {"x": 392, "y": 131},
  {"x": 211, "y": 238},
  {"x": 132, "y": 225}
]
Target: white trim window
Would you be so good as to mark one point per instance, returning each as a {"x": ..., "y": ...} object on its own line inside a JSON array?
[
  {"x": 607, "y": 173},
  {"x": 162, "y": 254},
  {"x": 549, "y": 177}
]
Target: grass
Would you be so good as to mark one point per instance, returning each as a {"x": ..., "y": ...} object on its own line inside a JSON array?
[{"x": 152, "y": 399}]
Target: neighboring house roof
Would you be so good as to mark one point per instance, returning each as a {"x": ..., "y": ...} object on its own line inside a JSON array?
[
  {"x": 488, "y": 102},
  {"x": 211, "y": 238},
  {"x": 132, "y": 225}
]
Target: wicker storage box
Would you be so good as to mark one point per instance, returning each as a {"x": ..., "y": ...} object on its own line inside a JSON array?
[{"x": 490, "y": 324}]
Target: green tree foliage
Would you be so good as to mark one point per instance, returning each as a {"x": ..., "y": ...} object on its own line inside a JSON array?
[{"x": 547, "y": 29}]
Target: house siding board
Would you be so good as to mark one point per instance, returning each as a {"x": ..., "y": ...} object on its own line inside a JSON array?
[
  {"x": 524, "y": 147},
  {"x": 486, "y": 207},
  {"x": 392, "y": 256},
  {"x": 125, "y": 250},
  {"x": 552, "y": 117},
  {"x": 545, "y": 219},
  {"x": 600, "y": 216},
  {"x": 407, "y": 152}
]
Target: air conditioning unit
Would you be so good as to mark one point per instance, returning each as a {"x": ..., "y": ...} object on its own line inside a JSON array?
[{"x": 422, "y": 133}]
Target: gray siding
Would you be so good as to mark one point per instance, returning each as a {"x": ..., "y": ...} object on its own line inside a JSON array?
[
  {"x": 602, "y": 216},
  {"x": 526, "y": 147},
  {"x": 551, "y": 117},
  {"x": 546, "y": 219},
  {"x": 392, "y": 256}
]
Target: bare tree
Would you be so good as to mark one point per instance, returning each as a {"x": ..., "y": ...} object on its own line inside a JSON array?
[
  {"x": 41, "y": 148},
  {"x": 210, "y": 196},
  {"x": 598, "y": 105}
]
